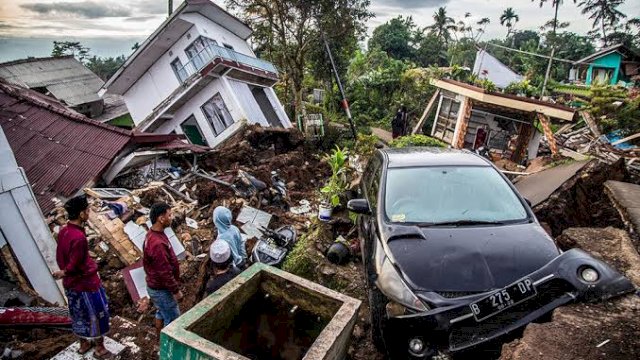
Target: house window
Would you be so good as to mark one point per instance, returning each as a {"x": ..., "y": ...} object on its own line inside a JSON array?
[
  {"x": 197, "y": 51},
  {"x": 179, "y": 70},
  {"x": 227, "y": 46},
  {"x": 193, "y": 132},
  {"x": 215, "y": 110}
]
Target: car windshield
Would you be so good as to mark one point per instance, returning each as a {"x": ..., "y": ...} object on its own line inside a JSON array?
[{"x": 440, "y": 195}]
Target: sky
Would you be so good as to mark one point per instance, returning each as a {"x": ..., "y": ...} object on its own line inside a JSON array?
[{"x": 110, "y": 28}]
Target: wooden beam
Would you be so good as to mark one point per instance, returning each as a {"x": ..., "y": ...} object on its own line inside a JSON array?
[
  {"x": 426, "y": 112},
  {"x": 14, "y": 268},
  {"x": 628, "y": 138},
  {"x": 546, "y": 127},
  {"x": 591, "y": 123}
]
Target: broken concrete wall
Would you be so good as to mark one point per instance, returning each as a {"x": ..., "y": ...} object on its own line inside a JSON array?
[
  {"x": 23, "y": 228},
  {"x": 581, "y": 201}
]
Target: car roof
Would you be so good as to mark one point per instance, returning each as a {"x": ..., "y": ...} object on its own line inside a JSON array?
[{"x": 430, "y": 156}]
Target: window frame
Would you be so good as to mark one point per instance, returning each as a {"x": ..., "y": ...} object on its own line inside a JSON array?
[{"x": 217, "y": 114}]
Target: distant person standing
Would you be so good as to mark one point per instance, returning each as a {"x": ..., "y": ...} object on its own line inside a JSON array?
[
  {"x": 161, "y": 267},
  {"x": 88, "y": 305},
  {"x": 405, "y": 121},
  {"x": 397, "y": 126},
  {"x": 222, "y": 219},
  {"x": 223, "y": 269}
]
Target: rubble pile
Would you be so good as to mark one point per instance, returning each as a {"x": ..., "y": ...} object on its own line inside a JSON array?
[
  {"x": 584, "y": 141},
  {"x": 193, "y": 189}
]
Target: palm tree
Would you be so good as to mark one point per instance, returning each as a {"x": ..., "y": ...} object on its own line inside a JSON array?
[
  {"x": 509, "y": 18},
  {"x": 556, "y": 4},
  {"x": 443, "y": 25},
  {"x": 603, "y": 12}
]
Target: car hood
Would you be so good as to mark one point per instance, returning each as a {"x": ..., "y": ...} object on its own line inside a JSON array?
[{"x": 469, "y": 259}]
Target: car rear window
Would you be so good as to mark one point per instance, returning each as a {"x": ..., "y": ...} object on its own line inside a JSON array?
[{"x": 444, "y": 194}]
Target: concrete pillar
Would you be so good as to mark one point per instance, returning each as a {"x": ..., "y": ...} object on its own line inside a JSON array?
[{"x": 462, "y": 123}]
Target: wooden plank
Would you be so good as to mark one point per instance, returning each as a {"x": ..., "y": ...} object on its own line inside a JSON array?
[
  {"x": 591, "y": 123},
  {"x": 426, "y": 112},
  {"x": 628, "y": 138},
  {"x": 7, "y": 258}
]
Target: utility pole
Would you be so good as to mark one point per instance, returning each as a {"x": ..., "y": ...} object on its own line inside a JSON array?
[
  {"x": 345, "y": 102},
  {"x": 553, "y": 49}
]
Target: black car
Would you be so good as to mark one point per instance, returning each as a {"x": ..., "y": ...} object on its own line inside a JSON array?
[{"x": 454, "y": 256}]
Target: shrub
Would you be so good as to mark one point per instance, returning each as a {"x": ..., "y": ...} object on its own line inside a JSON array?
[{"x": 416, "y": 140}]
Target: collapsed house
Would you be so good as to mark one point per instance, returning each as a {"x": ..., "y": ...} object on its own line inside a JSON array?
[
  {"x": 70, "y": 82},
  {"x": 469, "y": 117},
  {"x": 197, "y": 75},
  {"x": 50, "y": 154}
]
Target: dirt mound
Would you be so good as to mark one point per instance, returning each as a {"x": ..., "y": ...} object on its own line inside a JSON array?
[
  {"x": 607, "y": 330},
  {"x": 613, "y": 246}
]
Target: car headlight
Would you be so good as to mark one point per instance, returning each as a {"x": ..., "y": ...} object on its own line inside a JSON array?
[
  {"x": 589, "y": 274},
  {"x": 392, "y": 285}
]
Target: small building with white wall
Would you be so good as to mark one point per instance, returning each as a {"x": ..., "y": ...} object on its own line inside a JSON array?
[
  {"x": 197, "y": 75},
  {"x": 468, "y": 117}
]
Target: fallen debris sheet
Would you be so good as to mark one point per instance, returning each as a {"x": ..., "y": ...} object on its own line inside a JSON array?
[{"x": 539, "y": 186}]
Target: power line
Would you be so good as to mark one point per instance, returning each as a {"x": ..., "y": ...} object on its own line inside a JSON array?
[{"x": 539, "y": 55}]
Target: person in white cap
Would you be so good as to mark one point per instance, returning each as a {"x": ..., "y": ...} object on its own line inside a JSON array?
[{"x": 223, "y": 271}]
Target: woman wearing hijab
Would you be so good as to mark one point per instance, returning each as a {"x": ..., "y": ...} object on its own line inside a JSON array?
[{"x": 222, "y": 219}]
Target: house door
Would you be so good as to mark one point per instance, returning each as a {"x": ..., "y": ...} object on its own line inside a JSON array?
[
  {"x": 266, "y": 107},
  {"x": 192, "y": 131}
]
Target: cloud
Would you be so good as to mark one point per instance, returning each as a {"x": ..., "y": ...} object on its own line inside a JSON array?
[
  {"x": 86, "y": 9},
  {"x": 141, "y": 18},
  {"x": 154, "y": 6},
  {"x": 411, "y": 4},
  {"x": 5, "y": 25}
]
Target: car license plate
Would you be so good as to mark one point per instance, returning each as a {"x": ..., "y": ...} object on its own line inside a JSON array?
[{"x": 503, "y": 299}]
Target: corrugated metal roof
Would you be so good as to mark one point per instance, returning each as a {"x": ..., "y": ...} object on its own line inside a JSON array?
[
  {"x": 60, "y": 150},
  {"x": 64, "y": 77}
]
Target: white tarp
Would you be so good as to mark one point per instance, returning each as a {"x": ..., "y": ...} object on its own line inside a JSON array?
[{"x": 488, "y": 67}]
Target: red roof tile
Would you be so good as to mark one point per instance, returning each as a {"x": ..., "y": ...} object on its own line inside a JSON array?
[{"x": 60, "y": 150}]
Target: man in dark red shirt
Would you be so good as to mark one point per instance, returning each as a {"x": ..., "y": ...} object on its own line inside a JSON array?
[
  {"x": 161, "y": 267},
  {"x": 88, "y": 306}
]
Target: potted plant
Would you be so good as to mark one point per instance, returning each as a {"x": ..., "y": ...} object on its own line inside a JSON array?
[{"x": 336, "y": 185}]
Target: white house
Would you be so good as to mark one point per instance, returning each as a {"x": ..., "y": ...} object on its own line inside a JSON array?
[{"x": 197, "y": 75}]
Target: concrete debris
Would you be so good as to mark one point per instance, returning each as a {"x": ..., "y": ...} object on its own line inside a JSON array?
[{"x": 304, "y": 208}]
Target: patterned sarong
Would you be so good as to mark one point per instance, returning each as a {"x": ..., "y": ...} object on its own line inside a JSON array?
[{"x": 89, "y": 311}]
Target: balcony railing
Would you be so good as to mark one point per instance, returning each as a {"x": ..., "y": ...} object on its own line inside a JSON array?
[{"x": 211, "y": 52}]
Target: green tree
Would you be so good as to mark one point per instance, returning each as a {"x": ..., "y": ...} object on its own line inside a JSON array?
[
  {"x": 105, "y": 67},
  {"x": 431, "y": 50},
  {"x": 396, "y": 37},
  {"x": 443, "y": 25},
  {"x": 509, "y": 18},
  {"x": 604, "y": 13},
  {"x": 63, "y": 48},
  {"x": 286, "y": 30}
]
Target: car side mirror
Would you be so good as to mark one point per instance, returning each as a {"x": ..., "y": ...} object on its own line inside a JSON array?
[{"x": 359, "y": 206}]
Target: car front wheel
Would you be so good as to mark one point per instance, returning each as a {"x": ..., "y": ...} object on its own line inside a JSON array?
[{"x": 377, "y": 302}]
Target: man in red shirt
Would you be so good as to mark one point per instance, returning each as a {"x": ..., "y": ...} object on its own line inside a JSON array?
[
  {"x": 161, "y": 267},
  {"x": 88, "y": 306}
]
